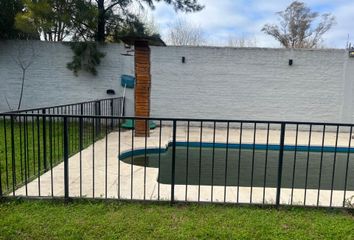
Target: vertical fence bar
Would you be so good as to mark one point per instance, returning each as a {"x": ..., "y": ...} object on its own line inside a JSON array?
[
  {"x": 1, "y": 178},
  {"x": 132, "y": 163},
  {"x": 347, "y": 165},
  {"x": 80, "y": 148},
  {"x": 334, "y": 165},
  {"x": 266, "y": 165},
  {"x": 239, "y": 164},
  {"x": 33, "y": 148},
  {"x": 39, "y": 156},
  {"x": 158, "y": 184},
  {"x": 13, "y": 154},
  {"x": 173, "y": 161},
  {"x": 213, "y": 164},
  {"x": 66, "y": 159},
  {"x": 21, "y": 156},
  {"x": 253, "y": 155},
  {"x": 106, "y": 160},
  {"x": 119, "y": 147},
  {"x": 294, "y": 165},
  {"x": 51, "y": 153},
  {"x": 44, "y": 140},
  {"x": 226, "y": 159},
  {"x": 187, "y": 161},
  {"x": 280, "y": 163},
  {"x": 145, "y": 154},
  {"x": 6, "y": 155},
  {"x": 200, "y": 158},
  {"x": 307, "y": 163},
  {"x": 26, "y": 152},
  {"x": 112, "y": 113},
  {"x": 93, "y": 157},
  {"x": 321, "y": 163}
]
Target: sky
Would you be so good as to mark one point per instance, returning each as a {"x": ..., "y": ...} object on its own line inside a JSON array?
[{"x": 221, "y": 20}]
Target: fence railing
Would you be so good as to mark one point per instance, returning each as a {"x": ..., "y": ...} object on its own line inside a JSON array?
[
  {"x": 182, "y": 160},
  {"x": 100, "y": 107}
]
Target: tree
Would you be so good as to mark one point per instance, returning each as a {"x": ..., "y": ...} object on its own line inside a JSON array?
[
  {"x": 241, "y": 42},
  {"x": 183, "y": 33},
  {"x": 297, "y": 27},
  {"x": 107, "y": 9},
  {"x": 24, "y": 59},
  {"x": 9, "y": 9},
  {"x": 50, "y": 19}
]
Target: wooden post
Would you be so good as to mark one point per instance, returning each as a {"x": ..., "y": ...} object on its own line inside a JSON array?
[{"x": 142, "y": 87}]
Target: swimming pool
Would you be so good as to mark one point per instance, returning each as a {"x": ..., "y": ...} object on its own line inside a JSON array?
[{"x": 248, "y": 165}]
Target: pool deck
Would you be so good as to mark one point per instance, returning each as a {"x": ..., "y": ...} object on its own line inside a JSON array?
[{"x": 99, "y": 177}]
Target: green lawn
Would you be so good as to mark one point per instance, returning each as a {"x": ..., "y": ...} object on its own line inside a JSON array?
[
  {"x": 97, "y": 220},
  {"x": 30, "y": 146}
]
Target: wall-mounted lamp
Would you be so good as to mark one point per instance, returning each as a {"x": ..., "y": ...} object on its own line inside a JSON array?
[
  {"x": 183, "y": 59},
  {"x": 351, "y": 53},
  {"x": 291, "y": 62}
]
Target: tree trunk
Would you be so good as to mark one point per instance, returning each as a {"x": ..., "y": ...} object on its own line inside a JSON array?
[
  {"x": 23, "y": 84},
  {"x": 100, "y": 35}
]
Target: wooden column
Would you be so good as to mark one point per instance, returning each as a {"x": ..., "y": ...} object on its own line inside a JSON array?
[{"x": 142, "y": 87}]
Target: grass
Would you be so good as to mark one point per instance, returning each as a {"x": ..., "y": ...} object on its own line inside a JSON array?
[
  {"x": 29, "y": 148},
  {"x": 98, "y": 220}
]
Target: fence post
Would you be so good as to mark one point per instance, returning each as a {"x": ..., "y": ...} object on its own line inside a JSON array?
[
  {"x": 280, "y": 163},
  {"x": 44, "y": 140},
  {"x": 173, "y": 162},
  {"x": 66, "y": 160}
]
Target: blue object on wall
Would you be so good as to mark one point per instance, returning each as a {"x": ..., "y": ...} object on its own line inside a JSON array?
[{"x": 128, "y": 81}]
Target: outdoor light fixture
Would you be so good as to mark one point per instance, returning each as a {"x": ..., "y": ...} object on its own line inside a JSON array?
[
  {"x": 290, "y": 62},
  {"x": 183, "y": 59},
  {"x": 351, "y": 53}
]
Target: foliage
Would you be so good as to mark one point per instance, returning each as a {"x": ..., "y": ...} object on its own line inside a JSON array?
[
  {"x": 297, "y": 28},
  {"x": 9, "y": 9},
  {"x": 115, "y": 220},
  {"x": 109, "y": 11},
  {"x": 86, "y": 57},
  {"x": 87, "y": 21},
  {"x": 135, "y": 26},
  {"x": 49, "y": 18}
]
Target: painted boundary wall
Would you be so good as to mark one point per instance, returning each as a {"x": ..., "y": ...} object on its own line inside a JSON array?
[
  {"x": 225, "y": 83},
  {"x": 253, "y": 83}
]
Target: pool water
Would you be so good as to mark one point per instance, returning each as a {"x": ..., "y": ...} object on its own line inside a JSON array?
[{"x": 233, "y": 167}]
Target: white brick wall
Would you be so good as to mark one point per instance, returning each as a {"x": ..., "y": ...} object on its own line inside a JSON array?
[
  {"x": 258, "y": 83},
  {"x": 213, "y": 83},
  {"x": 49, "y": 82}
]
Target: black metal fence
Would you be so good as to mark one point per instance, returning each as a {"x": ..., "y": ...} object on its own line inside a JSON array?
[
  {"x": 100, "y": 107},
  {"x": 183, "y": 160}
]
